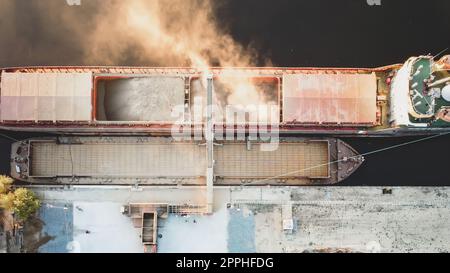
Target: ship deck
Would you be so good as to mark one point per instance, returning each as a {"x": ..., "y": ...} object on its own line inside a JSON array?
[
  {"x": 82, "y": 99},
  {"x": 160, "y": 161}
]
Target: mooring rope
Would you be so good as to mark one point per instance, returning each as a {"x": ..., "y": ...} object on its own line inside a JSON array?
[{"x": 356, "y": 156}]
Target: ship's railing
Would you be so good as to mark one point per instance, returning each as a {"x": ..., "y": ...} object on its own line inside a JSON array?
[{"x": 229, "y": 71}]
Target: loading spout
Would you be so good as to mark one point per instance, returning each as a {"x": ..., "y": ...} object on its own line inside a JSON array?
[{"x": 209, "y": 135}]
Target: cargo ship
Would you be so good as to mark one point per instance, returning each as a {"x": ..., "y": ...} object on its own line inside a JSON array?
[
  {"x": 163, "y": 161},
  {"x": 403, "y": 99}
]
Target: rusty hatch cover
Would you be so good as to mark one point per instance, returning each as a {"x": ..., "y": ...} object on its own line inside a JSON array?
[{"x": 330, "y": 98}]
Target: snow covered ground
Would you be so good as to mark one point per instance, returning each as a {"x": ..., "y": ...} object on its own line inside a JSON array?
[{"x": 249, "y": 219}]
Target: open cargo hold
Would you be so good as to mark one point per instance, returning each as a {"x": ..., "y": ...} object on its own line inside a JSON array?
[
  {"x": 239, "y": 100},
  {"x": 140, "y": 99}
]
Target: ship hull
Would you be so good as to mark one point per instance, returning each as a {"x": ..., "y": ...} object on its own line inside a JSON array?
[
  {"x": 292, "y": 101},
  {"x": 166, "y": 130},
  {"x": 165, "y": 162}
]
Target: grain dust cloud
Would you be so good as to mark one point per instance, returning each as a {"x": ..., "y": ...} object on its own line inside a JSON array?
[
  {"x": 113, "y": 32},
  {"x": 169, "y": 33}
]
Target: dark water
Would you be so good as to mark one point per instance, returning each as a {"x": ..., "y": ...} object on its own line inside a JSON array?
[
  {"x": 287, "y": 32},
  {"x": 5, "y": 150},
  {"x": 339, "y": 32},
  {"x": 347, "y": 33},
  {"x": 424, "y": 163}
]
